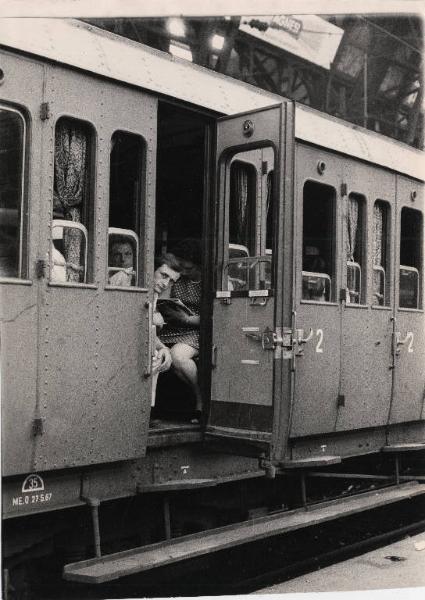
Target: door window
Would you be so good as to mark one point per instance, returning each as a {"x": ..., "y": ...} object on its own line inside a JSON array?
[
  {"x": 318, "y": 242},
  {"x": 125, "y": 209},
  {"x": 410, "y": 258},
  {"x": 248, "y": 265},
  {"x": 72, "y": 226},
  {"x": 12, "y": 211}
]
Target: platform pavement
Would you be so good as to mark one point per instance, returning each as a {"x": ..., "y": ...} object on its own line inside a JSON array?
[{"x": 398, "y": 566}]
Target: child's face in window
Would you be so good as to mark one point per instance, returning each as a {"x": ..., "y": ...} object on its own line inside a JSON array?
[{"x": 122, "y": 255}]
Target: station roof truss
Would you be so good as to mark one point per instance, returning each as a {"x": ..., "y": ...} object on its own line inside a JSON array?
[
  {"x": 94, "y": 50},
  {"x": 374, "y": 79}
]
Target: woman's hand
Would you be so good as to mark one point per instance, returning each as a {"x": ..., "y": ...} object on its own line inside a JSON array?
[
  {"x": 163, "y": 359},
  {"x": 158, "y": 319}
]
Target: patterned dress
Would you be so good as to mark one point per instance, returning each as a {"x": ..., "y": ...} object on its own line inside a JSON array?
[{"x": 189, "y": 292}]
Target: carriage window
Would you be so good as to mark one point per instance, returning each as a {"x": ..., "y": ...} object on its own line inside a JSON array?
[
  {"x": 72, "y": 225},
  {"x": 410, "y": 258},
  {"x": 354, "y": 224},
  {"x": 318, "y": 242},
  {"x": 12, "y": 212},
  {"x": 381, "y": 258},
  {"x": 249, "y": 265},
  {"x": 127, "y": 156}
]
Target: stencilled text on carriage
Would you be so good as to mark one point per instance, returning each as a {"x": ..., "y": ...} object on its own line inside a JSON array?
[{"x": 33, "y": 492}]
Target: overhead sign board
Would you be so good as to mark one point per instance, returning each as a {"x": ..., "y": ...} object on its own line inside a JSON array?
[{"x": 308, "y": 36}]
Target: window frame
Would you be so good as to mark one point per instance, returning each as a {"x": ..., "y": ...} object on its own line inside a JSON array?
[
  {"x": 89, "y": 208},
  {"x": 332, "y": 276},
  {"x": 419, "y": 248},
  {"x": 140, "y": 238},
  {"x": 362, "y": 202},
  {"x": 230, "y": 156},
  {"x": 23, "y": 249}
]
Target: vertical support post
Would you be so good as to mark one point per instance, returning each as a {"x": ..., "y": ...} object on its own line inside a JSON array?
[
  {"x": 397, "y": 468},
  {"x": 303, "y": 490},
  {"x": 94, "y": 504},
  {"x": 365, "y": 91},
  {"x": 167, "y": 520}
]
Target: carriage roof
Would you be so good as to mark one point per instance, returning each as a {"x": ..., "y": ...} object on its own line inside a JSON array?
[{"x": 81, "y": 45}]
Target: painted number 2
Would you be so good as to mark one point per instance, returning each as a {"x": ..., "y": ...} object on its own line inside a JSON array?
[{"x": 319, "y": 335}]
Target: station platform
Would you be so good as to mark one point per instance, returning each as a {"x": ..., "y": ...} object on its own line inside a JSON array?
[{"x": 399, "y": 565}]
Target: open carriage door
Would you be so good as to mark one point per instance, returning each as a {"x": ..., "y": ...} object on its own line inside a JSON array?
[{"x": 250, "y": 388}]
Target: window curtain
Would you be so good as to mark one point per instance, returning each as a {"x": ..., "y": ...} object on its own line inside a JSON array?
[
  {"x": 378, "y": 233},
  {"x": 378, "y": 248},
  {"x": 239, "y": 226},
  {"x": 69, "y": 188},
  {"x": 351, "y": 227}
]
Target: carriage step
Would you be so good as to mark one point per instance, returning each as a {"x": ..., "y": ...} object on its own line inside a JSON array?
[
  {"x": 130, "y": 562},
  {"x": 322, "y": 460},
  {"x": 175, "y": 485},
  {"x": 404, "y": 447}
]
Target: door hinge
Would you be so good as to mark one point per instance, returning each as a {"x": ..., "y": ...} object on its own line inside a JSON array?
[
  {"x": 264, "y": 167},
  {"x": 40, "y": 268},
  {"x": 44, "y": 111},
  {"x": 214, "y": 356},
  {"x": 343, "y": 189},
  {"x": 38, "y": 426}
]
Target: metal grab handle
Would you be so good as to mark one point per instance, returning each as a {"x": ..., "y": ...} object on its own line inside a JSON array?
[
  {"x": 399, "y": 343},
  {"x": 300, "y": 333},
  {"x": 300, "y": 340},
  {"x": 148, "y": 367}
]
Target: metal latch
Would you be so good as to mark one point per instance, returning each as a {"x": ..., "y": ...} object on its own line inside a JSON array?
[
  {"x": 44, "y": 111},
  {"x": 281, "y": 341}
]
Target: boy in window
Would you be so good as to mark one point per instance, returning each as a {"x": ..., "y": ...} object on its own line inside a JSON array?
[{"x": 121, "y": 256}]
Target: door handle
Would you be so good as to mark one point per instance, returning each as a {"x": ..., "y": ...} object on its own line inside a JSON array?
[
  {"x": 300, "y": 340},
  {"x": 399, "y": 342}
]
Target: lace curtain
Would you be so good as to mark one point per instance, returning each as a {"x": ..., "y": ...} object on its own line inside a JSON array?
[
  {"x": 239, "y": 209},
  {"x": 378, "y": 231},
  {"x": 69, "y": 188},
  {"x": 378, "y": 253},
  {"x": 351, "y": 227}
]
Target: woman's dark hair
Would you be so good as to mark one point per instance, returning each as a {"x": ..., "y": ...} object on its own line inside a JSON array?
[
  {"x": 167, "y": 259},
  {"x": 189, "y": 249}
]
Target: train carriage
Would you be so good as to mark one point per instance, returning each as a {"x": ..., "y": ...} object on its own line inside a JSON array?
[{"x": 312, "y": 323}]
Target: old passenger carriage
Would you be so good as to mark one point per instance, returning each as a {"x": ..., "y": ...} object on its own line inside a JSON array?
[{"x": 312, "y": 324}]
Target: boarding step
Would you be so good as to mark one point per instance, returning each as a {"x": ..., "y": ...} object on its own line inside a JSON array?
[
  {"x": 412, "y": 447},
  {"x": 130, "y": 562},
  {"x": 323, "y": 460},
  {"x": 176, "y": 485}
]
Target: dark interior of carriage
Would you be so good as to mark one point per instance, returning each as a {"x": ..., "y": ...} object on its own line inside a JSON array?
[{"x": 180, "y": 206}]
